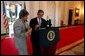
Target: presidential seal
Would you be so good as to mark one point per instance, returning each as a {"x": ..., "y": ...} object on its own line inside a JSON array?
[{"x": 51, "y": 35}]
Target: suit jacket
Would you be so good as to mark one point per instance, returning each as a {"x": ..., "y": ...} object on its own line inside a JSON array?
[
  {"x": 35, "y": 34},
  {"x": 20, "y": 34}
]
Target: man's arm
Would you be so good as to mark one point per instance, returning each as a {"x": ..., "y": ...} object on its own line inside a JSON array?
[
  {"x": 44, "y": 23},
  {"x": 33, "y": 25}
]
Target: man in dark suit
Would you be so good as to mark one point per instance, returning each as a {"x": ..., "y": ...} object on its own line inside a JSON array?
[{"x": 35, "y": 24}]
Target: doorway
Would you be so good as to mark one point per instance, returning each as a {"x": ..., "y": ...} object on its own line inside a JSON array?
[{"x": 70, "y": 17}]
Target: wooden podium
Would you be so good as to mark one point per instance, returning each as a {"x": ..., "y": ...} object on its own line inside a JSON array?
[{"x": 48, "y": 40}]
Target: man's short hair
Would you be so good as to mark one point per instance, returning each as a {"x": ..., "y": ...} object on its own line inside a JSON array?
[
  {"x": 40, "y": 11},
  {"x": 23, "y": 13}
]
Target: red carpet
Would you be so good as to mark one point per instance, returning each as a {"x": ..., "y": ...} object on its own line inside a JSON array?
[
  {"x": 67, "y": 36},
  {"x": 70, "y": 35}
]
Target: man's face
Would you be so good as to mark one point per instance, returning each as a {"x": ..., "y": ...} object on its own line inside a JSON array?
[{"x": 40, "y": 14}]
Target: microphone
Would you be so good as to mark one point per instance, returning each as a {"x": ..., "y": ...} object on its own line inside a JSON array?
[{"x": 49, "y": 23}]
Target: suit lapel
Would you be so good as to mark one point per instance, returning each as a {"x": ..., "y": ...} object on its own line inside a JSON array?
[
  {"x": 41, "y": 21},
  {"x": 36, "y": 20}
]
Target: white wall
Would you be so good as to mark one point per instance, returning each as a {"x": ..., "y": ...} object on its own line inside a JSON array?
[
  {"x": 82, "y": 11},
  {"x": 51, "y": 11},
  {"x": 54, "y": 10},
  {"x": 66, "y": 5},
  {"x": 43, "y": 6},
  {"x": 57, "y": 14},
  {"x": 34, "y": 7},
  {"x": 48, "y": 7}
]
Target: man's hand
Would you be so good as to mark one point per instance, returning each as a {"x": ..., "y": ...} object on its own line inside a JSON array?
[{"x": 36, "y": 27}]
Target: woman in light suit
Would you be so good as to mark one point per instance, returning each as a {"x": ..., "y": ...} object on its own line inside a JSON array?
[{"x": 21, "y": 31}]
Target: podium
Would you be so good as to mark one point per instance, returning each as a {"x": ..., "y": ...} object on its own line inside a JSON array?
[{"x": 48, "y": 36}]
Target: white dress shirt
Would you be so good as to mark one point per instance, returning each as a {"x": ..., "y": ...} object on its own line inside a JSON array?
[{"x": 39, "y": 21}]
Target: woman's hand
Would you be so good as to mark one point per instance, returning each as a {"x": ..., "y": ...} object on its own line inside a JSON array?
[{"x": 29, "y": 31}]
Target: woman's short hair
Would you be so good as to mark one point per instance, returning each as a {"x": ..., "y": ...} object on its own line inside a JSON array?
[{"x": 23, "y": 13}]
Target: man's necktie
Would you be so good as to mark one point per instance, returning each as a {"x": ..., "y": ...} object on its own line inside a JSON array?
[{"x": 39, "y": 22}]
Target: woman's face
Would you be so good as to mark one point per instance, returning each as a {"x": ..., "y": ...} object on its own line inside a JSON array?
[{"x": 25, "y": 18}]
